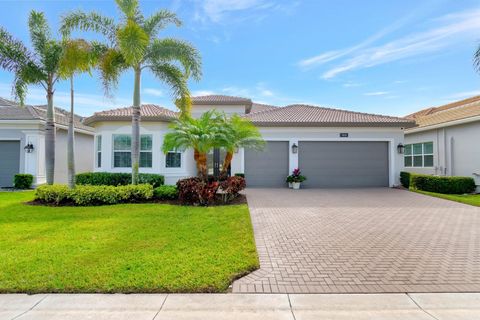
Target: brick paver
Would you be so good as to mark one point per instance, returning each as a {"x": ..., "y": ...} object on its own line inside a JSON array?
[{"x": 362, "y": 241}]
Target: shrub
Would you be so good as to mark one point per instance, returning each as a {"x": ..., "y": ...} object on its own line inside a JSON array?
[
  {"x": 117, "y": 179},
  {"x": 405, "y": 179},
  {"x": 22, "y": 181},
  {"x": 231, "y": 187},
  {"x": 166, "y": 192},
  {"x": 195, "y": 191},
  {"x": 447, "y": 185},
  {"x": 240, "y": 175},
  {"x": 88, "y": 195}
]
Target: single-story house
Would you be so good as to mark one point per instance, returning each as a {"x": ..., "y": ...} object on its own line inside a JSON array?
[
  {"x": 332, "y": 147},
  {"x": 22, "y": 143},
  {"x": 445, "y": 140}
]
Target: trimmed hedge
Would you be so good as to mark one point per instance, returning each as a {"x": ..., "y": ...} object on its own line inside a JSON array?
[
  {"x": 166, "y": 192},
  {"x": 88, "y": 195},
  {"x": 118, "y": 179},
  {"x": 405, "y": 179},
  {"x": 446, "y": 185},
  {"x": 23, "y": 181},
  {"x": 241, "y": 175}
]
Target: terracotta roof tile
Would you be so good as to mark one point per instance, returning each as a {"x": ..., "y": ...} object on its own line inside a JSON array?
[
  {"x": 257, "y": 107},
  {"x": 148, "y": 112},
  {"x": 306, "y": 115},
  {"x": 220, "y": 99},
  {"x": 450, "y": 112}
]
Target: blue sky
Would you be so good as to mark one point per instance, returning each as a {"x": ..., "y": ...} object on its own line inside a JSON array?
[{"x": 387, "y": 57}]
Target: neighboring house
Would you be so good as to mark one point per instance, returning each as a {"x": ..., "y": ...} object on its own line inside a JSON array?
[
  {"x": 445, "y": 140},
  {"x": 333, "y": 148},
  {"x": 24, "y": 126}
]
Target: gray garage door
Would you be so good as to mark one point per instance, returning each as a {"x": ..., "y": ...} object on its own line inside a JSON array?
[
  {"x": 343, "y": 164},
  {"x": 267, "y": 168},
  {"x": 9, "y": 162}
]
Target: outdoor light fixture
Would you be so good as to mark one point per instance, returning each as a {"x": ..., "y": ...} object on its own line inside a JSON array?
[
  {"x": 400, "y": 148},
  {"x": 294, "y": 148},
  {"x": 28, "y": 148}
]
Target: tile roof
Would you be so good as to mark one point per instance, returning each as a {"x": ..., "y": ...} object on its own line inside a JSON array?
[
  {"x": 39, "y": 113},
  {"x": 257, "y": 107},
  {"x": 458, "y": 110},
  {"x": 220, "y": 99},
  {"x": 148, "y": 112},
  {"x": 306, "y": 115},
  {"x": 7, "y": 103}
]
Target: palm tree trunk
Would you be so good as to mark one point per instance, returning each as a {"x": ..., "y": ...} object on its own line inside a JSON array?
[
  {"x": 136, "y": 126},
  {"x": 226, "y": 164},
  {"x": 50, "y": 136},
  {"x": 202, "y": 166},
  {"x": 71, "y": 141}
]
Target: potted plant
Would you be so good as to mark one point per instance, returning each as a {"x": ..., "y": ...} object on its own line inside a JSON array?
[
  {"x": 296, "y": 179},
  {"x": 289, "y": 181}
]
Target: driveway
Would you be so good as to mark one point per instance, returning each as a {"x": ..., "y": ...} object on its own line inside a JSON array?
[{"x": 362, "y": 241}]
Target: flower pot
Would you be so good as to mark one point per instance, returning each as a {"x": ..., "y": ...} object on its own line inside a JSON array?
[
  {"x": 290, "y": 185},
  {"x": 296, "y": 185}
]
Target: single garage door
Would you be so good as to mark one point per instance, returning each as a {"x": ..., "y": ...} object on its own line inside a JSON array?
[
  {"x": 345, "y": 164},
  {"x": 9, "y": 162},
  {"x": 269, "y": 167}
]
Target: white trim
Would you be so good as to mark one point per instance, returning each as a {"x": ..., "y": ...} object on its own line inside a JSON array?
[
  {"x": 42, "y": 122},
  {"x": 442, "y": 125}
]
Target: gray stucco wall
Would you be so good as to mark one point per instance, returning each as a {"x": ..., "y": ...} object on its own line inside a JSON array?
[
  {"x": 83, "y": 154},
  {"x": 456, "y": 150}
]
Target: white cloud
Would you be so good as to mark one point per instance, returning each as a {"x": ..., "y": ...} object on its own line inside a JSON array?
[
  {"x": 153, "y": 92},
  {"x": 376, "y": 93},
  {"x": 463, "y": 95},
  {"x": 453, "y": 29},
  {"x": 351, "y": 84}
]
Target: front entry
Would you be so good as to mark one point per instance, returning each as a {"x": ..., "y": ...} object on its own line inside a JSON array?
[{"x": 215, "y": 161}]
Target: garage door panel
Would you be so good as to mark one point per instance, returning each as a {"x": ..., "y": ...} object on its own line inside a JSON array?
[
  {"x": 333, "y": 164},
  {"x": 9, "y": 162},
  {"x": 269, "y": 167}
]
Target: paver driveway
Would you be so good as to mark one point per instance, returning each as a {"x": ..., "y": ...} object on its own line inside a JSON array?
[{"x": 362, "y": 240}]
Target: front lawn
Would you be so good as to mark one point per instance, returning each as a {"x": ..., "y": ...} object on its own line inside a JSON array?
[
  {"x": 471, "y": 199},
  {"x": 122, "y": 248}
]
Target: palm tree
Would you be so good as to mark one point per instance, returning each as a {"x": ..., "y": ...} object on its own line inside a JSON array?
[
  {"x": 134, "y": 45},
  {"x": 202, "y": 135},
  {"x": 37, "y": 67},
  {"x": 79, "y": 56},
  {"x": 242, "y": 134},
  {"x": 476, "y": 59}
]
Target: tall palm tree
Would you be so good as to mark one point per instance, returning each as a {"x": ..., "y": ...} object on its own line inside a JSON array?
[
  {"x": 476, "y": 59},
  {"x": 79, "y": 56},
  {"x": 242, "y": 134},
  {"x": 134, "y": 45},
  {"x": 37, "y": 67},
  {"x": 201, "y": 134}
]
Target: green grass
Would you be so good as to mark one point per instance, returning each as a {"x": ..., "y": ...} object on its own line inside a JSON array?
[
  {"x": 471, "y": 199},
  {"x": 122, "y": 248}
]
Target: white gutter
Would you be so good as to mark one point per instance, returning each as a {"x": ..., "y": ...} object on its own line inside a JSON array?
[{"x": 444, "y": 124}]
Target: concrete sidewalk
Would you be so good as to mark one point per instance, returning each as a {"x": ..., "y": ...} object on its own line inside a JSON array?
[{"x": 440, "y": 306}]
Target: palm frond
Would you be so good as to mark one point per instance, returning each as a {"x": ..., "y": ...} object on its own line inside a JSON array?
[
  {"x": 40, "y": 33},
  {"x": 89, "y": 22},
  {"x": 476, "y": 59},
  {"x": 52, "y": 55},
  {"x": 19, "y": 89},
  {"x": 13, "y": 53},
  {"x": 133, "y": 42},
  {"x": 77, "y": 57},
  {"x": 111, "y": 65},
  {"x": 173, "y": 77},
  {"x": 160, "y": 20},
  {"x": 174, "y": 50},
  {"x": 130, "y": 9}
]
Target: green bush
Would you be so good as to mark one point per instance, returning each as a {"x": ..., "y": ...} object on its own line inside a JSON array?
[
  {"x": 88, "y": 195},
  {"x": 405, "y": 179},
  {"x": 446, "y": 185},
  {"x": 166, "y": 192},
  {"x": 22, "y": 181},
  {"x": 117, "y": 179},
  {"x": 241, "y": 175}
]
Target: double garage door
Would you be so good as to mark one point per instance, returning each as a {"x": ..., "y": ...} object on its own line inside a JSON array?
[
  {"x": 326, "y": 164},
  {"x": 9, "y": 162}
]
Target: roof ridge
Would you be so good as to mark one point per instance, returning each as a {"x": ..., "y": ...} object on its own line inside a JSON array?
[
  {"x": 434, "y": 109},
  {"x": 346, "y": 111}
]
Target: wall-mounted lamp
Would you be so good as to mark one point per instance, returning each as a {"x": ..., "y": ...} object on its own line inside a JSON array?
[
  {"x": 400, "y": 148},
  {"x": 28, "y": 148},
  {"x": 294, "y": 148}
]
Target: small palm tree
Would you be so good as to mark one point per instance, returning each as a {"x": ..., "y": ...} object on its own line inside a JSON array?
[
  {"x": 37, "y": 67},
  {"x": 242, "y": 134},
  {"x": 476, "y": 59},
  {"x": 79, "y": 56},
  {"x": 134, "y": 45},
  {"x": 202, "y": 135}
]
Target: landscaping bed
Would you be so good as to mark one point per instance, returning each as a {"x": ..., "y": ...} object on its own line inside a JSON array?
[
  {"x": 471, "y": 199},
  {"x": 148, "y": 247}
]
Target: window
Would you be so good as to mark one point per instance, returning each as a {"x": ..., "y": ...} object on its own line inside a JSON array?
[
  {"x": 419, "y": 155},
  {"x": 122, "y": 146},
  {"x": 99, "y": 151},
  {"x": 173, "y": 159}
]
